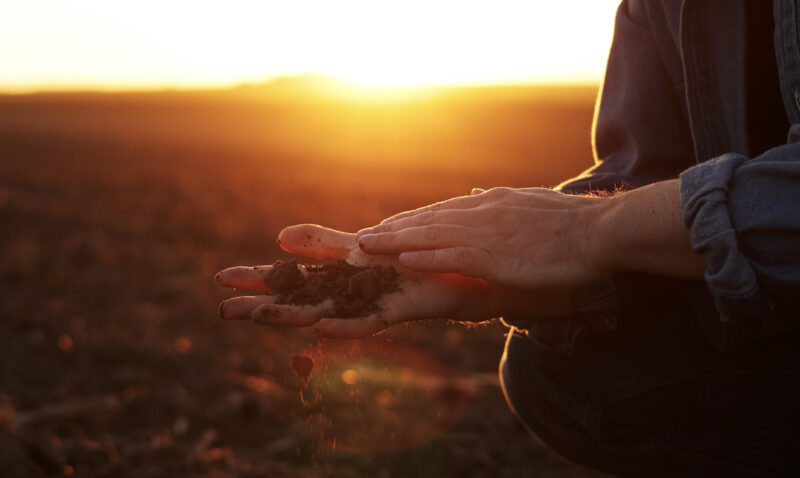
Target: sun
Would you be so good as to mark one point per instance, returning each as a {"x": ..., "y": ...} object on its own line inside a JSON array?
[{"x": 370, "y": 43}]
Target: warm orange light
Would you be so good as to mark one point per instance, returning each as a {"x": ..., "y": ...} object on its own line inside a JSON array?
[
  {"x": 350, "y": 376},
  {"x": 65, "y": 342},
  {"x": 182, "y": 345},
  {"x": 151, "y": 43}
]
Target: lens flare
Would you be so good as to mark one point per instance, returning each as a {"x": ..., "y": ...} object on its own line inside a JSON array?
[{"x": 376, "y": 397}]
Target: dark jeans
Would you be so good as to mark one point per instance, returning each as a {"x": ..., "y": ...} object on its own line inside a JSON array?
[{"x": 653, "y": 397}]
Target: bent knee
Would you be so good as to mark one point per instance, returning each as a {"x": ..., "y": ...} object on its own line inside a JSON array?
[
  {"x": 548, "y": 412},
  {"x": 537, "y": 402}
]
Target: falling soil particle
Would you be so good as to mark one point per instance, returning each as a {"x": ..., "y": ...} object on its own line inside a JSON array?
[
  {"x": 354, "y": 289},
  {"x": 302, "y": 366}
]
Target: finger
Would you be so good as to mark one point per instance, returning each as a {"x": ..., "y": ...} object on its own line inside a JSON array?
[
  {"x": 469, "y": 261},
  {"x": 535, "y": 190},
  {"x": 350, "y": 328},
  {"x": 432, "y": 236},
  {"x": 291, "y": 314},
  {"x": 461, "y": 202},
  {"x": 476, "y": 191},
  {"x": 240, "y": 277},
  {"x": 240, "y": 308},
  {"x": 453, "y": 216},
  {"x": 316, "y": 241}
]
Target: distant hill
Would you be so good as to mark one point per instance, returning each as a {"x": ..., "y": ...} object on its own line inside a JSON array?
[
  {"x": 312, "y": 87},
  {"x": 542, "y": 130}
]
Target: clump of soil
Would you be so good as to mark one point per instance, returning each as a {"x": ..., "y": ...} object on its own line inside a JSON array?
[
  {"x": 354, "y": 289},
  {"x": 302, "y": 365}
]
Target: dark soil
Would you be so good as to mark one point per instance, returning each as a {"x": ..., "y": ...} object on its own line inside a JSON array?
[
  {"x": 116, "y": 211},
  {"x": 354, "y": 290}
]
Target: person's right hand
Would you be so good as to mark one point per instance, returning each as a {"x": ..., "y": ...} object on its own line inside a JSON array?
[{"x": 422, "y": 295}]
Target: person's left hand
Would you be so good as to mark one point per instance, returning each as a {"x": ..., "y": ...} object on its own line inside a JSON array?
[
  {"x": 524, "y": 239},
  {"x": 421, "y": 296}
]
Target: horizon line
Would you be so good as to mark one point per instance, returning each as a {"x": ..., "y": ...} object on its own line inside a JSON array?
[{"x": 28, "y": 89}]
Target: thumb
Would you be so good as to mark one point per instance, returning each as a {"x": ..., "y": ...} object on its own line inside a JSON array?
[{"x": 311, "y": 240}]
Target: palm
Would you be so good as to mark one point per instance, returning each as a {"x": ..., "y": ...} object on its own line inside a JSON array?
[{"x": 421, "y": 296}]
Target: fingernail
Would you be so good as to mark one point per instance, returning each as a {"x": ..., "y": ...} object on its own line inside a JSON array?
[
  {"x": 218, "y": 277},
  {"x": 366, "y": 230},
  {"x": 367, "y": 240},
  {"x": 221, "y": 310},
  {"x": 408, "y": 257}
]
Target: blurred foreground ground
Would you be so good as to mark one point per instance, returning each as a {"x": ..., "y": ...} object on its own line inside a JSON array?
[{"x": 117, "y": 210}]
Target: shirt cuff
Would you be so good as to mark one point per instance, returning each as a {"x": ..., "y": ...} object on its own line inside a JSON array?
[{"x": 729, "y": 275}]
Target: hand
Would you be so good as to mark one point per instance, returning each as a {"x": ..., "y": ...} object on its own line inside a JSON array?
[
  {"x": 422, "y": 295},
  {"x": 525, "y": 239}
]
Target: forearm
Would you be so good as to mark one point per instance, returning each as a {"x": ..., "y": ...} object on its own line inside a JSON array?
[{"x": 642, "y": 230}]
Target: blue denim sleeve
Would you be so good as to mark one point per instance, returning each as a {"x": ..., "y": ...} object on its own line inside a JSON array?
[{"x": 743, "y": 218}]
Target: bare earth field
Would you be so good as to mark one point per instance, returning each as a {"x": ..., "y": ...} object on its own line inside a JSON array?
[{"x": 116, "y": 210}]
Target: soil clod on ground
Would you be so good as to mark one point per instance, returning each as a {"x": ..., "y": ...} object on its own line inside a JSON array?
[
  {"x": 302, "y": 365},
  {"x": 354, "y": 290}
]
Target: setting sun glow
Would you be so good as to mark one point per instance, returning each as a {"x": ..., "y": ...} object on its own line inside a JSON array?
[{"x": 153, "y": 44}]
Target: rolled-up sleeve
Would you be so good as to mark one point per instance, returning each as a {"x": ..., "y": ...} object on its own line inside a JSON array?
[{"x": 743, "y": 216}]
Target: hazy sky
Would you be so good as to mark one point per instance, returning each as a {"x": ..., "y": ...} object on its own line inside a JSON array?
[{"x": 118, "y": 44}]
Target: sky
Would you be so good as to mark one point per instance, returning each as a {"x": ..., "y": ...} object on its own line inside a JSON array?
[{"x": 102, "y": 44}]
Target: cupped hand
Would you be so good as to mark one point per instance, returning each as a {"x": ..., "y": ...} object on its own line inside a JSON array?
[
  {"x": 421, "y": 295},
  {"x": 525, "y": 239}
]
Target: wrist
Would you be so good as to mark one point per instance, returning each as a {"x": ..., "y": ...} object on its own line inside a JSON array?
[
  {"x": 601, "y": 236},
  {"x": 642, "y": 230}
]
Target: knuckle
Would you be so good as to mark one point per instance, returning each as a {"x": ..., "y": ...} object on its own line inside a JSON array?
[
  {"x": 462, "y": 255},
  {"x": 397, "y": 217},
  {"x": 470, "y": 261},
  {"x": 424, "y": 217},
  {"x": 386, "y": 239},
  {"x": 496, "y": 194},
  {"x": 505, "y": 192},
  {"x": 499, "y": 191},
  {"x": 383, "y": 228},
  {"x": 432, "y": 232}
]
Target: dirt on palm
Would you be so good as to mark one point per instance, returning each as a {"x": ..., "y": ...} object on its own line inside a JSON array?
[{"x": 354, "y": 290}]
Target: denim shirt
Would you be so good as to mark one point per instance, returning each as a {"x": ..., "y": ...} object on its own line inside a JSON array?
[{"x": 673, "y": 104}]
